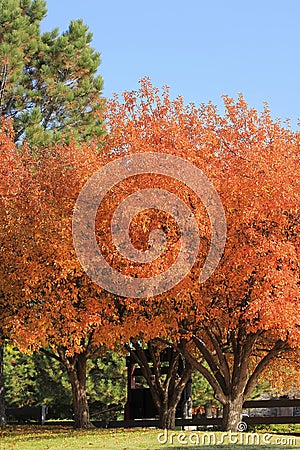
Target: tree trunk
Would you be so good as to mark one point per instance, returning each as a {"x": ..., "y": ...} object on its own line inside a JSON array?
[
  {"x": 166, "y": 391},
  {"x": 232, "y": 414},
  {"x": 169, "y": 398},
  {"x": 2, "y": 396},
  {"x": 167, "y": 417},
  {"x": 77, "y": 377}
]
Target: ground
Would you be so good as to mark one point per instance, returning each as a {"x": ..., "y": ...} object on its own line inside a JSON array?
[{"x": 65, "y": 438}]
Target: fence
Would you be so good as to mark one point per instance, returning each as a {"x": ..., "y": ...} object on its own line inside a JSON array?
[
  {"x": 293, "y": 405},
  {"x": 39, "y": 414}
]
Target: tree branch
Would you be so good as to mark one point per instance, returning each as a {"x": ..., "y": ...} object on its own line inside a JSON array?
[{"x": 279, "y": 347}]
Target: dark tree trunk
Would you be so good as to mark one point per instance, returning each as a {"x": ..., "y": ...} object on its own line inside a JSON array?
[
  {"x": 2, "y": 396},
  {"x": 77, "y": 377},
  {"x": 167, "y": 417},
  {"x": 230, "y": 377},
  {"x": 167, "y": 408},
  {"x": 232, "y": 413},
  {"x": 166, "y": 402},
  {"x": 166, "y": 391},
  {"x": 76, "y": 369}
]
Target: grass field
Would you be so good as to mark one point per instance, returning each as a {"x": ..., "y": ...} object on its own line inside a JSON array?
[{"x": 65, "y": 438}]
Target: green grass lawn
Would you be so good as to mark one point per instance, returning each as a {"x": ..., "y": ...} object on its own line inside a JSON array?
[{"x": 65, "y": 438}]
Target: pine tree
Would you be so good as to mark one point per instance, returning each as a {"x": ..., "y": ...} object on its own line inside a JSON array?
[{"x": 48, "y": 81}]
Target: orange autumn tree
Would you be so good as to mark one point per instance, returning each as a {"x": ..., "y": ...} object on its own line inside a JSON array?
[
  {"x": 251, "y": 313},
  {"x": 47, "y": 299},
  {"x": 10, "y": 187},
  {"x": 229, "y": 322},
  {"x": 246, "y": 314}
]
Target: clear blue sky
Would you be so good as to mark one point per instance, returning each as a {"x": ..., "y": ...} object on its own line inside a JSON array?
[{"x": 200, "y": 48}]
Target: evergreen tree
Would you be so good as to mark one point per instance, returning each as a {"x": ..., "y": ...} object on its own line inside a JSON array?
[
  {"x": 33, "y": 380},
  {"x": 106, "y": 386},
  {"x": 48, "y": 81}
]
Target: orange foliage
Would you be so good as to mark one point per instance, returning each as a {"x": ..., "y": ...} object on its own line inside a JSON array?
[
  {"x": 47, "y": 297},
  {"x": 252, "y": 161},
  {"x": 252, "y": 299}
]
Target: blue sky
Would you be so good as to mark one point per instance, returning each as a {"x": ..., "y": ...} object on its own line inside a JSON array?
[{"x": 201, "y": 49}]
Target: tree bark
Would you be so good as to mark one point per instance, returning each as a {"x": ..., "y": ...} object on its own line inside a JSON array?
[
  {"x": 166, "y": 392},
  {"x": 167, "y": 417},
  {"x": 76, "y": 369},
  {"x": 167, "y": 403},
  {"x": 2, "y": 393},
  {"x": 232, "y": 413},
  {"x": 227, "y": 366}
]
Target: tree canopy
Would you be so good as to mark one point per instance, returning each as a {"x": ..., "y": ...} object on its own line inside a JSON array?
[
  {"x": 247, "y": 313},
  {"x": 230, "y": 327},
  {"x": 48, "y": 82}
]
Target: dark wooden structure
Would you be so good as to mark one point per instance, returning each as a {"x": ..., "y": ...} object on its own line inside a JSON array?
[
  {"x": 140, "y": 404},
  {"x": 27, "y": 414},
  {"x": 205, "y": 421},
  {"x": 38, "y": 415}
]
